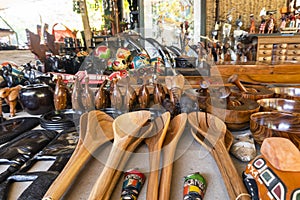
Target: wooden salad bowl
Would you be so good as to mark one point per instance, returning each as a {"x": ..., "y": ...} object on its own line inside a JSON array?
[
  {"x": 236, "y": 115},
  {"x": 249, "y": 92},
  {"x": 279, "y": 104},
  {"x": 275, "y": 124},
  {"x": 287, "y": 92}
]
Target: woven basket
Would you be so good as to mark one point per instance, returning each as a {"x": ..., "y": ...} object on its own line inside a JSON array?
[{"x": 241, "y": 8}]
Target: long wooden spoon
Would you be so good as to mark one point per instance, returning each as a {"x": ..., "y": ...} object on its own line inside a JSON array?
[
  {"x": 95, "y": 130},
  {"x": 130, "y": 149},
  {"x": 176, "y": 128},
  {"x": 154, "y": 144},
  {"x": 213, "y": 137},
  {"x": 126, "y": 127}
]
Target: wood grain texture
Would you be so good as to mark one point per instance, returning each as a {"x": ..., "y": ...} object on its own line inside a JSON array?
[
  {"x": 154, "y": 144},
  {"x": 213, "y": 137},
  {"x": 126, "y": 127},
  {"x": 95, "y": 130},
  {"x": 176, "y": 128}
]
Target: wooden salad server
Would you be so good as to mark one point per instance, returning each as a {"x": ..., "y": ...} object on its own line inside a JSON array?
[
  {"x": 213, "y": 137},
  {"x": 145, "y": 130},
  {"x": 95, "y": 130},
  {"x": 154, "y": 144},
  {"x": 176, "y": 128},
  {"x": 126, "y": 127}
]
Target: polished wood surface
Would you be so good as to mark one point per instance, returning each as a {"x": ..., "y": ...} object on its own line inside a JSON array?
[
  {"x": 126, "y": 127},
  {"x": 275, "y": 124},
  {"x": 176, "y": 128},
  {"x": 155, "y": 143},
  {"x": 212, "y": 130}
]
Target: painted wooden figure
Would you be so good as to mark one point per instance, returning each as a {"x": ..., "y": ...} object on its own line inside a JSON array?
[
  {"x": 252, "y": 24},
  {"x": 271, "y": 24},
  {"x": 275, "y": 174},
  {"x": 194, "y": 187},
  {"x": 262, "y": 25},
  {"x": 132, "y": 184}
]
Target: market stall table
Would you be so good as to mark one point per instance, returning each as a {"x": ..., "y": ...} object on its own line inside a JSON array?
[{"x": 190, "y": 157}]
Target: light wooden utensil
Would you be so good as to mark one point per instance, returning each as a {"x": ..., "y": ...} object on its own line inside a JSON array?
[
  {"x": 212, "y": 137},
  {"x": 145, "y": 130},
  {"x": 95, "y": 130},
  {"x": 126, "y": 127},
  {"x": 176, "y": 128},
  {"x": 154, "y": 144}
]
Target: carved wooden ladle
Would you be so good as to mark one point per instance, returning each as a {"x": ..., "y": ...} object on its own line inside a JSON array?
[
  {"x": 213, "y": 137},
  {"x": 95, "y": 130},
  {"x": 176, "y": 128},
  {"x": 126, "y": 127},
  {"x": 154, "y": 144}
]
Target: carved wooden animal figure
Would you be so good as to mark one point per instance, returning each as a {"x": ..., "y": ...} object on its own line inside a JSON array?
[
  {"x": 88, "y": 97},
  {"x": 76, "y": 95},
  {"x": 60, "y": 94},
  {"x": 102, "y": 99},
  {"x": 10, "y": 95}
]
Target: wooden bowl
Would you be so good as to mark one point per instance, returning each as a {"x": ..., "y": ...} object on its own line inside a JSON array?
[
  {"x": 287, "y": 92},
  {"x": 236, "y": 116},
  {"x": 279, "y": 104},
  {"x": 275, "y": 124},
  {"x": 197, "y": 95},
  {"x": 253, "y": 92}
]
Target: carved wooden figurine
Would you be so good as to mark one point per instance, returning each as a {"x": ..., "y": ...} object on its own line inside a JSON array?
[
  {"x": 130, "y": 96},
  {"x": 10, "y": 95},
  {"x": 76, "y": 95},
  {"x": 271, "y": 24},
  {"x": 132, "y": 184},
  {"x": 61, "y": 94},
  {"x": 194, "y": 186},
  {"x": 144, "y": 96},
  {"x": 252, "y": 24},
  {"x": 115, "y": 95},
  {"x": 88, "y": 97},
  {"x": 102, "y": 99},
  {"x": 159, "y": 94}
]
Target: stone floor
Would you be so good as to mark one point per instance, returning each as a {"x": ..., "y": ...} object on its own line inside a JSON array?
[{"x": 19, "y": 57}]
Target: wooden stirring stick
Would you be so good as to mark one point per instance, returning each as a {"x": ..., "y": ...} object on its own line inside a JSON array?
[
  {"x": 126, "y": 127},
  {"x": 95, "y": 130},
  {"x": 174, "y": 133},
  {"x": 154, "y": 144}
]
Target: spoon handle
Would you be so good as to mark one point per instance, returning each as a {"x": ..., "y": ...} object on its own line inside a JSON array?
[
  {"x": 104, "y": 180},
  {"x": 153, "y": 180},
  {"x": 165, "y": 182},
  {"x": 232, "y": 180},
  {"x": 69, "y": 173}
]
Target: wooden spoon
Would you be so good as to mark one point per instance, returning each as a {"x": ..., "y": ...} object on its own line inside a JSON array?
[
  {"x": 95, "y": 130},
  {"x": 154, "y": 144},
  {"x": 213, "y": 139},
  {"x": 174, "y": 133},
  {"x": 145, "y": 130},
  {"x": 126, "y": 127}
]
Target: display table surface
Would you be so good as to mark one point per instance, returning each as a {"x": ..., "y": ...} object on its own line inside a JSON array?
[{"x": 190, "y": 157}]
